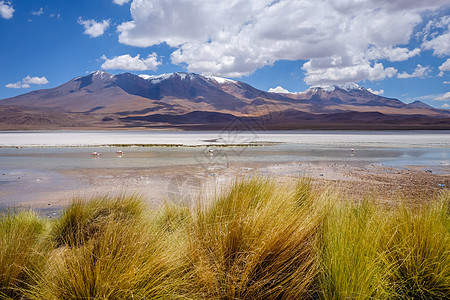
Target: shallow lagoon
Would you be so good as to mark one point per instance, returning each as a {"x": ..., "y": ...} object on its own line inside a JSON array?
[
  {"x": 49, "y": 150},
  {"x": 40, "y": 161}
]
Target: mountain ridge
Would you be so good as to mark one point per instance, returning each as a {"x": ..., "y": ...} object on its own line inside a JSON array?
[{"x": 103, "y": 100}]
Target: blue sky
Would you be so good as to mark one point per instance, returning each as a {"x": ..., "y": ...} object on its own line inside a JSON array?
[{"x": 398, "y": 48}]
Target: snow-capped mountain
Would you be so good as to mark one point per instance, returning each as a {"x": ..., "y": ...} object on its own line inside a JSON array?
[
  {"x": 348, "y": 86},
  {"x": 101, "y": 100}
]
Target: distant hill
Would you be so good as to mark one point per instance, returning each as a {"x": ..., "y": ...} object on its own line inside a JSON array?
[{"x": 191, "y": 101}]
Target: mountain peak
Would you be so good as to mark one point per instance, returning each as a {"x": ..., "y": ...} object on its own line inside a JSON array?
[
  {"x": 220, "y": 80},
  {"x": 348, "y": 86},
  {"x": 184, "y": 76},
  {"x": 189, "y": 100},
  {"x": 102, "y": 75},
  {"x": 158, "y": 78}
]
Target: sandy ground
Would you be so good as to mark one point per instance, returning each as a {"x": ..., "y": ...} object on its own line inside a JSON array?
[{"x": 184, "y": 183}]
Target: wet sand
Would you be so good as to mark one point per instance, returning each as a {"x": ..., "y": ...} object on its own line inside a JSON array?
[{"x": 184, "y": 183}]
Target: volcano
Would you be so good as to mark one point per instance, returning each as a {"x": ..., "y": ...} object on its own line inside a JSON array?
[{"x": 191, "y": 101}]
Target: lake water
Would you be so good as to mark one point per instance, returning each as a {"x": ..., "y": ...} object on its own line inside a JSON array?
[
  {"x": 37, "y": 161},
  {"x": 43, "y": 150}
]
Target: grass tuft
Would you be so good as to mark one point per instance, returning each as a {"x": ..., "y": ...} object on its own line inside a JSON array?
[
  {"x": 83, "y": 219},
  {"x": 352, "y": 263},
  {"x": 258, "y": 239},
  {"x": 22, "y": 250},
  {"x": 419, "y": 250},
  {"x": 254, "y": 243}
]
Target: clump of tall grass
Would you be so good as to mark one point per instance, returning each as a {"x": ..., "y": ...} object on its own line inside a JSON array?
[
  {"x": 22, "y": 250},
  {"x": 173, "y": 217},
  {"x": 84, "y": 219},
  {"x": 127, "y": 261},
  {"x": 418, "y": 250},
  {"x": 400, "y": 252},
  {"x": 255, "y": 242},
  {"x": 351, "y": 257},
  {"x": 109, "y": 249}
]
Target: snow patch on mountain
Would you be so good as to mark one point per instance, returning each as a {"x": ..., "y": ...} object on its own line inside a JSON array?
[
  {"x": 102, "y": 75},
  {"x": 156, "y": 78},
  {"x": 348, "y": 86},
  {"x": 327, "y": 89},
  {"x": 219, "y": 80},
  {"x": 145, "y": 76},
  {"x": 183, "y": 76}
]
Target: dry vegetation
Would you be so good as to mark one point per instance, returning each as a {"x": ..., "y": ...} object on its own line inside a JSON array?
[{"x": 256, "y": 240}]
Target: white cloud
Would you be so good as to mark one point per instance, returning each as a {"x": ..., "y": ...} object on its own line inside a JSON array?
[
  {"x": 446, "y": 82},
  {"x": 445, "y": 105},
  {"x": 39, "y": 12},
  {"x": 436, "y": 36},
  {"x": 92, "y": 28},
  {"x": 380, "y": 92},
  {"x": 121, "y": 2},
  {"x": 27, "y": 82},
  {"x": 6, "y": 10},
  {"x": 57, "y": 16},
  {"x": 127, "y": 62},
  {"x": 445, "y": 97},
  {"x": 420, "y": 72},
  {"x": 35, "y": 80},
  {"x": 322, "y": 73},
  {"x": 444, "y": 67},
  {"x": 233, "y": 39},
  {"x": 392, "y": 54},
  {"x": 440, "y": 44},
  {"x": 279, "y": 90},
  {"x": 17, "y": 85}
]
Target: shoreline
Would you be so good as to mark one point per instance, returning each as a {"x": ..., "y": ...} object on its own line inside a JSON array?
[
  {"x": 250, "y": 144},
  {"x": 165, "y": 165},
  {"x": 186, "y": 183}
]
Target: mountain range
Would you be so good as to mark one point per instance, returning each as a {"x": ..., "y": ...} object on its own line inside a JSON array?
[{"x": 191, "y": 101}]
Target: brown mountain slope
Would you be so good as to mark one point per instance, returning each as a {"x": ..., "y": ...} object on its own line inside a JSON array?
[{"x": 186, "y": 100}]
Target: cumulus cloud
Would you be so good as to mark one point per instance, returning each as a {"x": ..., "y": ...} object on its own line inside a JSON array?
[
  {"x": 320, "y": 72},
  {"x": 17, "y": 85},
  {"x": 6, "y": 10},
  {"x": 127, "y": 62},
  {"x": 93, "y": 28},
  {"x": 380, "y": 92},
  {"x": 235, "y": 39},
  {"x": 392, "y": 54},
  {"x": 279, "y": 90},
  {"x": 445, "y": 105},
  {"x": 446, "y": 82},
  {"x": 121, "y": 2},
  {"x": 444, "y": 67},
  {"x": 420, "y": 72},
  {"x": 436, "y": 36},
  {"x": 27, "y": 82},
  {"x": 445, "y": 97},
  {"x": 440, "y": 44},
  {"x": 35, "y": 80}
]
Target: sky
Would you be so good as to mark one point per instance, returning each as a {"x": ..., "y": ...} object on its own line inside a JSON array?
[{"x": 395, "y": 48}]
